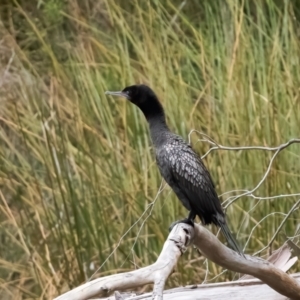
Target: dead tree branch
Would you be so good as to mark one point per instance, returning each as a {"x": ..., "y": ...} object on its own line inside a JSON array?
[
  {"x": 215, "y": 251},
  {"x": 180, "y": 237},
  {"x": 178, "y": 240}
]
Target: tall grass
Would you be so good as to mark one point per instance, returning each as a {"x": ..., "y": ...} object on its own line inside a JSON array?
[{"x": 77, "y": 170}]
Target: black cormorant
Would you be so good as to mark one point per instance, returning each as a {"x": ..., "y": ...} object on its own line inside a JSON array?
[{"x": 179, "y": 165}]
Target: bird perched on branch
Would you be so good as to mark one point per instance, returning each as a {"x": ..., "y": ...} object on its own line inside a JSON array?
[{"x": 179, "y": 165}]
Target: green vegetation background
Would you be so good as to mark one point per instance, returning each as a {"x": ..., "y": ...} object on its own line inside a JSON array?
[{"x": 76, "y": 168}]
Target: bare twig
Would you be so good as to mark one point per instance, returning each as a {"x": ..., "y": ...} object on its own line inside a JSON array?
[{"x": 217, "y": 146}]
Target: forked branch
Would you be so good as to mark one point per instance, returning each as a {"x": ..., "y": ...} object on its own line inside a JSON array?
[{"x": 180, "y": 237}]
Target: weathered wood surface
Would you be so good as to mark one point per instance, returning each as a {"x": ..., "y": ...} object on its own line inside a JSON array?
[
  {"x": 180, "y": 237},
  {"x": 251, "y": 289}
]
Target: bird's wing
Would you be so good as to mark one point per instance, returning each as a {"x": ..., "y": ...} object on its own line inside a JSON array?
[{"x": 192, "y": 177}]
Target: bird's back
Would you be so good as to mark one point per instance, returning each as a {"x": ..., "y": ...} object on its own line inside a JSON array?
[{"x": 185, "y": 172}]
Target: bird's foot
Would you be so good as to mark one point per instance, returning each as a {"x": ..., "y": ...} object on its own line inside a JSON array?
[{"x": 185, "y": 221}]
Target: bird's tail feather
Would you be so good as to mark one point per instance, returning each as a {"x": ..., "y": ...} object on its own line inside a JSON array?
[{"x": 229, "y": 237}]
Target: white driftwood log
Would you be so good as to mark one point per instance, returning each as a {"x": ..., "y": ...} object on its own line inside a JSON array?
[
  {"x": 215, "y": 251},
  {"x": 252, "y": 289},
  {"x": 180, "y": 237}
]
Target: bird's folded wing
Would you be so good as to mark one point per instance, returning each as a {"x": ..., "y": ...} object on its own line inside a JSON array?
[{"x": 192, "y": 177}]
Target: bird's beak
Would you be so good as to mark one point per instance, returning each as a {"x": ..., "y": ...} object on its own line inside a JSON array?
[{"x": 119, "y": 93}]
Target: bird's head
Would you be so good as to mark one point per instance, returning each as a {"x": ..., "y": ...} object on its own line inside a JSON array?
[
  {"x": 142, "y": 96},
  {"x": 137, "y": 94}
]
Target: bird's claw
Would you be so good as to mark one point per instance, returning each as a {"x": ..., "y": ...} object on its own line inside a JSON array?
[{"x": 185, "y": 221}]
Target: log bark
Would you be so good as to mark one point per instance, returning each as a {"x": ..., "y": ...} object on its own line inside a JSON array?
[{"x": 180, "y": 237}]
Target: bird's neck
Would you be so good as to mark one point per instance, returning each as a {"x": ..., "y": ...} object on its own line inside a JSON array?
[
  {"x": 155, "y": 116},
  {"x": 158, "y": 129}
]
